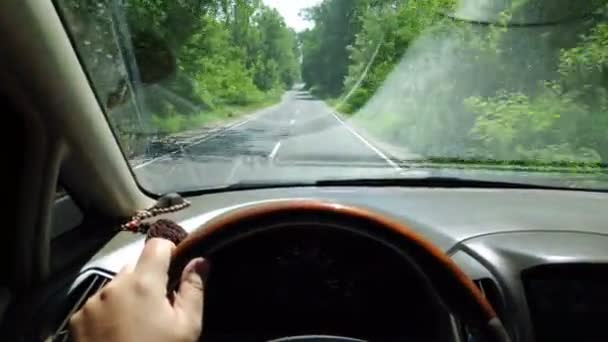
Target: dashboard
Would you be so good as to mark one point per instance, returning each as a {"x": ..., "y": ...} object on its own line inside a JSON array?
[
  {"x": 539, "y": 256},
  {"x": 568, "y": 302}
]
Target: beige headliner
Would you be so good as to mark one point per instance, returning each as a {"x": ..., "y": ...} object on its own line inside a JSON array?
[{"x": 42, "y": 58}]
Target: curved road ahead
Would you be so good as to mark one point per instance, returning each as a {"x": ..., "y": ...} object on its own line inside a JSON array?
[{"x": 299, "y": 139}]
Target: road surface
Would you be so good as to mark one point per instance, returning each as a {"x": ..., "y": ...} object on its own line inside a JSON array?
[{"x": 300, "y": 139}]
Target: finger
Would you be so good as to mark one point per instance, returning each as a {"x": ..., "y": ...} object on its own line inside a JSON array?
[
  {"x": 189, "y": 299},
  {"x": 153, "y": 263}
]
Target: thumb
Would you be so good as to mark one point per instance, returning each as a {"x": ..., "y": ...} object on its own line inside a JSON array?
[{"x": 189, "y": 298}]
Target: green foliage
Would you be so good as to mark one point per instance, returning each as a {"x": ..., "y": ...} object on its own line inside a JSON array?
[
  {"x": 231, "y": 51},
  {"x": 515, "y": 126},
  {"x": 229, "y": 54},
  {"x": 348, "y": 34},
  {"x": 175, "y": 122},
  {"x": 449, "y": 88},
  {"x": 565, "y": 119},
  {"x": 412, "y": 75},
  {"x": 587, "y": 63},
  {"x": 325, "y": 47}
]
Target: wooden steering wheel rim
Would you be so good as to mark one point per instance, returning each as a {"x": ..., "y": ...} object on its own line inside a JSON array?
[{"x": 462, "y": 297}]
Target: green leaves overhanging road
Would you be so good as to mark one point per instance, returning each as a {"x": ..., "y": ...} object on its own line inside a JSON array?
[{"x": 443, "y": 87}]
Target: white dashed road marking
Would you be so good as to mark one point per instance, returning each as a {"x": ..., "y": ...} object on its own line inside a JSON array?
[{"x": 275, "y": 150}]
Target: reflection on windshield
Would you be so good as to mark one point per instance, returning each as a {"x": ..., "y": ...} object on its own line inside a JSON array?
[{"x": 211, "y": 93}]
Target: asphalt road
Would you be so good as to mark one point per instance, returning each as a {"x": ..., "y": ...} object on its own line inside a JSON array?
[{"x": 300, "y": 139}]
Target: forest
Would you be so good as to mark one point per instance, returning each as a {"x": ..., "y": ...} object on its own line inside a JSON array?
[
  {"x": 529, "y": 85},
  {"x": 230, "y": 56},
  {"x": 440, "y": 78}
]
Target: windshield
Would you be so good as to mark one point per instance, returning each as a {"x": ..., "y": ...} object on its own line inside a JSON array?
[{"x": 212, "y": 93}]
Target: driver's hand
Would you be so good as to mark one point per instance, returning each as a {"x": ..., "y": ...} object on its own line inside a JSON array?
[{"x": 134, "y": 306}]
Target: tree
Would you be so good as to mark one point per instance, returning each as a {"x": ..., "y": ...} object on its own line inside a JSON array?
[
  {"x": 230, "y": 50},
  {"x": 325, "y": 47},
  {"x": 226, "y": 52}
]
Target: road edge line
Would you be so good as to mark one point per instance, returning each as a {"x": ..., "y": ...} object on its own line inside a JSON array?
[
  {"x": 367, "y": 142},
  {"x": 206, "y": 137},
  {"x": 217, "y": 132}
]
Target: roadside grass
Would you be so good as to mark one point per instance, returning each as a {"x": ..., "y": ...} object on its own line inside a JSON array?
[
  {"x": 175, "y": 122},
  {"x": 385, "y": 127},
  {"x": 340, "y": 106},
  {"x": 333, "y": 102}
]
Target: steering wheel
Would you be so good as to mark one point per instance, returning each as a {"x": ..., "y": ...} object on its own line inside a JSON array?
[{"x": 457, "y": 292}]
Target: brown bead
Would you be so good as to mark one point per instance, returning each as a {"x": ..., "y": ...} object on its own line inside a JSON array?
[{"x": 168, "y": 230}]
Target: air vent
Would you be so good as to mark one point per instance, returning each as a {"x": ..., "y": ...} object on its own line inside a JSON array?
[
  {"x": 568, "y": 302},
  {"x": 77, "y": 298},
  {"x": 490, "y": 291}
]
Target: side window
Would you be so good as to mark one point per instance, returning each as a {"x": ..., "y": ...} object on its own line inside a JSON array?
[{"x": 66, "y": 214}]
